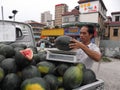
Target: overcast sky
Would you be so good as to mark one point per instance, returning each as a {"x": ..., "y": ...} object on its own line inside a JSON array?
[{"x": 32, "y": 9}]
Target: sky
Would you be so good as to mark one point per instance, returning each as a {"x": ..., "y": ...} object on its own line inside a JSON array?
[{"x": 32, "y": 9}]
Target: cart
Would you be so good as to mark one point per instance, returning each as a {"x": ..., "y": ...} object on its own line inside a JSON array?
[
  {"x": 70, "y": 57},
  {"x": 98, "y": 85}
]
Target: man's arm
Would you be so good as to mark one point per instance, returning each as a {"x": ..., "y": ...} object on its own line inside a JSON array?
[
  {"x": 91, "y": 53},
  {"x": 96, "y": 56}
]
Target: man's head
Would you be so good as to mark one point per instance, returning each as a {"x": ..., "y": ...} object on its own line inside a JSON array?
[{"x": 86, "y": 33}]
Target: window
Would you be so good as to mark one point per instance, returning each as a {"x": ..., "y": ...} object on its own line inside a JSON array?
[
  {"x": 117, "y": 18},
  {"x": 115, "y": 32},
  {"x": 77, "y": 18},
  {"x": 66, "y": 19},
  {"x": 18, "y": 33}
]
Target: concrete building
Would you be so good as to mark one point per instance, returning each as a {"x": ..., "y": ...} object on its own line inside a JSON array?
[
  {"x": 37, "y": 27},
  {"x": 45, "y": 17},
  {"x": 113, "y": 27},
  {"x": 70, "y": 17},
  {"x": 59, "y": 10},
  {"x": 50, "y": 24},
  {"x": 111, "y": 43},
  {"x": 93, "y": 11}
]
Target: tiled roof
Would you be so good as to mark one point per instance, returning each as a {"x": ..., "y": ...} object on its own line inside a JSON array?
[
  {"x": 34, "y": 22},
  {"x": 115, "y": 12},
  {"x": 113, "y": 23},
  {"x": 109, "y": 17},
  {"x": 60, "y": 4},
  {"x": 73, "y": 12}
]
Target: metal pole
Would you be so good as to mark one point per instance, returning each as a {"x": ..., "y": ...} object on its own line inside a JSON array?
[
  {"x": 14, "y": 13},
  {"x": 14, "y": 17},
  {"x": 2, "y": 12}
]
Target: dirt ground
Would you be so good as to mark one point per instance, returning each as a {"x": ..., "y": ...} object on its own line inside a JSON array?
[{"x": 109, "y": 72}]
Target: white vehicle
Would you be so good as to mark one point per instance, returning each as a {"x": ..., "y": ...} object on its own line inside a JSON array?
[{"x": 16, "y": 32}]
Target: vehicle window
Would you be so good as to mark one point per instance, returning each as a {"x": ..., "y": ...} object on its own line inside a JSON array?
[{"x": 18, "y": 33}]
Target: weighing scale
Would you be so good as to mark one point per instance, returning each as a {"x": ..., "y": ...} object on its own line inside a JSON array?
[{"x": 63, "y": 56}]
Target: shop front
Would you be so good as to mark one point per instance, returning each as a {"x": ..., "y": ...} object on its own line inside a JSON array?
[
  {"x": 52, "y": 34},
  {"x": 73, "y": 31}
]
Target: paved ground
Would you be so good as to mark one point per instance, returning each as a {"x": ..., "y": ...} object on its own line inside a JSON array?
[{"x": 109, "y": 72}]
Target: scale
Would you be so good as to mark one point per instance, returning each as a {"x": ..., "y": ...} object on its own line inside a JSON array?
[{"x": 64, "y": 56}]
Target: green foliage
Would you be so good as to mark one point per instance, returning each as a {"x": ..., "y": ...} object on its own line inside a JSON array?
[{"x": 105, "y": 59}]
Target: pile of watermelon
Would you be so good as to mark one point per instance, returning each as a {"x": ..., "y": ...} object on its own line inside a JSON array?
[{"x": 25, "y": 68}]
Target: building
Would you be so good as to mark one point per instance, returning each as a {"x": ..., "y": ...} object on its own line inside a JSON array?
[
  {"x": 93, "y": 11},
  {"x": 111, "y": 43},
  {"x": 50, "y": 24},
  {"x": 52, "y": 34},
  {"x": 45, "y": 17},
  {"x": 37, "y": 27},
  {"x": 59, "y": 10},
  {"x": 113, "y": 27},
  {"x": 70, "y": 19}
]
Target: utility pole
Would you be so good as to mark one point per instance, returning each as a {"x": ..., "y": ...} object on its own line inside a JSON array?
[
  {"x": 14, "y": 13},
  {"x": 2, "y": 12}
]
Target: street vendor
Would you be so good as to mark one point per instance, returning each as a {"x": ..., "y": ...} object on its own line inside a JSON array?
[{"x": 87, "y": 52}]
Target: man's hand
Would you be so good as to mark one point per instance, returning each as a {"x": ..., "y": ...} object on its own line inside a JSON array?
[{"x": 75, "y": 44}]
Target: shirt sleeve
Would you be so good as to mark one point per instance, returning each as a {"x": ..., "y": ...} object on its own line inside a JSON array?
[{"x": 95, "y": 48}]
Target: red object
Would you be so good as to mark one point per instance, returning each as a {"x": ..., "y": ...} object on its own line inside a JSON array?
[
  {"x": 43, "y": 37},
  {"x": 95, "y": 7},
  {"x": 28, "y": 53},
  {"x": 85, "y": 9}
]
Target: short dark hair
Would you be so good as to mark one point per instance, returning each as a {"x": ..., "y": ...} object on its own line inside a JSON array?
[{"x": 91, "y": 29}]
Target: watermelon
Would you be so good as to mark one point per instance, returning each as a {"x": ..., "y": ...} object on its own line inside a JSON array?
[
  {"x": 45, "y": 67},
  {"x": 60, "y": 81},
  {"x": 2, "y": 57},
  {"x": 11, "y": 82},
  {"x": 52, "y": 81},
  {"x": 36, "y": 83},
  {"x": 2, "y": 74},
  {"x": 7, "y": 51},
  {"x": 14, "y": 45},
  {"x": 9, "y": 65},
  {"x": 81, "y": 66},
  {"x": 23, "y": 58},
  {"x": 72, "y": 78},
  {"x": 28, "y": 53},
  {"x": 18, "y": 49},
  {"x": 61, "y": 88},
  {"x": 62, "y": 43},
  {"x": 34, "y": 49},
  {"x": 30, "y": 72},
  {"x": 36, "y": 57},
  {"x": 42, "y": 55},
  {"x": 88, "y": 77},
  {"x": 61, "y": 68}
]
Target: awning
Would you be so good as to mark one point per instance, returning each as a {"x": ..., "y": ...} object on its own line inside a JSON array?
[{"x": 79, "y": 24}]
